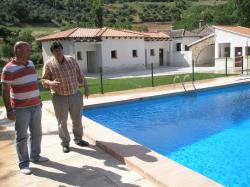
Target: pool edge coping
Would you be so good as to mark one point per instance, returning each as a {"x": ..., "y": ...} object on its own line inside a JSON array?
[{"x": 184, "y": 175}]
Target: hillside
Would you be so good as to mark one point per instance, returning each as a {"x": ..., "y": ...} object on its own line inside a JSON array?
[{"x": 97, "y": 13}]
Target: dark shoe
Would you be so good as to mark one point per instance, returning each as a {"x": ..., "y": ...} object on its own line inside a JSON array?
[
  {"x": 41, "y": 159},
  {"x": 66, "y": 149},
  {"x": 83, "y": 143}
]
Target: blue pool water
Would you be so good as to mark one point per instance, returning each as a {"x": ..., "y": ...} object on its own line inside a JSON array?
[{"x": 208, "y": 131}]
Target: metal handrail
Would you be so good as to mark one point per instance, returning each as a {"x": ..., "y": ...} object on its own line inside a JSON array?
[
  {"x": 188, "y": 76},
  {"x": 174, "y": 82}
]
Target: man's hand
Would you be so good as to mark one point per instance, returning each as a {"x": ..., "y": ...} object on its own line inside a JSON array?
[
  {"x": 86, "y": 91},
  {"x": 11, "y": 115},
  {"x": 54, "y": 85}
]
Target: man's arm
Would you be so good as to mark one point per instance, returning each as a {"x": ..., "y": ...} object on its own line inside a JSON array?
[
  {"x": 81, "y": 79},
  {"x": 45, "y": 76},
  {"x": 46, "y": 79},
  {"x": 6, "y": 100}
]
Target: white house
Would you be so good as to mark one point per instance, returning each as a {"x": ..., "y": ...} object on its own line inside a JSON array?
[
  {"x": 111, "y": 49},
  {"x": 203, "y": 51},
  {"x": 233, "y": 42},
  {"x": 179, "y": 53}
]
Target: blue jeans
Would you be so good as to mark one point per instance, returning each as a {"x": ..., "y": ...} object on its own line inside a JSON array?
[{"x": 28, "y": 117}]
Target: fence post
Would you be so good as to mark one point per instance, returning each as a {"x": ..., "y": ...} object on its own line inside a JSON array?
[
  {"x": 101, "y": 80},
  {"x": 247, "y": 63},
  {"x": 193, "y": 70},
  {"x": 247, "y": 57},
  {"x": 242, "y": 65},
  {"x": 226, "y": 66},
  {"x": 152, "y": 74}
]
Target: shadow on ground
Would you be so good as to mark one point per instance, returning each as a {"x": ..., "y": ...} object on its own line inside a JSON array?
[
  {"x": 88, "y": 176},
  {"x": 122, "y": 151}
]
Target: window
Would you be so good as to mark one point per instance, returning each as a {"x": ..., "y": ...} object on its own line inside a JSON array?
[
  {"x": 134, "y": 53},
  {"x": 186, "y": 48},
  {"x": 178, "y": 46},
  {"x": 79, "y": 55},
  {"x": 152, "y": 52},
  {"x": 113, "y": 54},
  {"x": 247, "y": 51}
]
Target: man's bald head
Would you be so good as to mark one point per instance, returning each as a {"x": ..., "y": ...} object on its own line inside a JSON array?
[
  {"x": 19, "y": 45},
  {"x": 22, "y": 51}
]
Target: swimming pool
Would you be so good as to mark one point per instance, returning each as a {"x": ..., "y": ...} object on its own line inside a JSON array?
[{"x": 207, "y": 131}]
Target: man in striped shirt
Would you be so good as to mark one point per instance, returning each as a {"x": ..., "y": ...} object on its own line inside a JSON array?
[
  {"x": 23, "y": 104},
  {"x": 62, "y": 75}
]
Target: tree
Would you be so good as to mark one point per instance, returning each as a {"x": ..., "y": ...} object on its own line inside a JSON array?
[
  {"x": 12, "y": 38},
  {"x": 98, "y": 12},
  {"x": 4, "y": 32},
  {"x": 243, "y": 7}
]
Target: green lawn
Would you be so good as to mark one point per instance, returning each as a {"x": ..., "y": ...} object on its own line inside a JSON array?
[
  {"x": 111, "y": 85},
  {"x": 39, "y": 70}
]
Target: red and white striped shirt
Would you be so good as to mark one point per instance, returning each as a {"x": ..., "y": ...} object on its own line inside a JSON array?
[{"x": 24, "y": 90}]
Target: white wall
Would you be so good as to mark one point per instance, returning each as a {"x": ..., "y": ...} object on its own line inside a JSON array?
[
  {"x": 68, "y": 49},
  {"x": 235, "y": 40},
  {"x": 184, "y": 41},
  {"x": 125, "y": 60},
  {"x": 156, "y": 45},
  {"x": 221, "y": 63},
  {"x": 83, "y": 47},
  {"x": 180, "y": 59}
]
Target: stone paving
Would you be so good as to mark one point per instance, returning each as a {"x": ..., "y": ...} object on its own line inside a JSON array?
[{"x": 88, "y": 167}]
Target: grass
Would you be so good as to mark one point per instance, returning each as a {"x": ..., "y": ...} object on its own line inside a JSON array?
[
  {"x": 111, "y": 85},
  {"x": 39, "y": 70},
  {"x": 209, "y": 2},
  {"x": 153, "y": 26},
  {"x": 38, "y": 30}
]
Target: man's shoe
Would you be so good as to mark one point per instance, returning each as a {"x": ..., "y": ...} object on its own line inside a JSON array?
[
  {"x": 66, "y": 149},
  {"x": 26, "y": 171},
  {"x": 41, "y": 159},
  {"x": 83, "y": 143}
]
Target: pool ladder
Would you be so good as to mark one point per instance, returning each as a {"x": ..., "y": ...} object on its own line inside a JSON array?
[{"x": 185, "y": 78}]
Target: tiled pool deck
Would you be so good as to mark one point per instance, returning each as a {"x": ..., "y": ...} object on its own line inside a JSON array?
[{"x": 93, "y": 167}]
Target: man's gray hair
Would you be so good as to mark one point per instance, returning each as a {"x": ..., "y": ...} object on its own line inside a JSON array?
[{"x": 19, "y": 44}]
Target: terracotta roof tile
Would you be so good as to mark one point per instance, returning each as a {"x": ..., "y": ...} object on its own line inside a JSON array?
[
  {"x": 84, "y": 32},
  {"x": 150, "y": 34},
  {"x": 58, "y": 35},
  {"x": 119, "y": 33},
  {"x": 235, "y": 29},
  {"x": 100, "y": 32},
  {"x": 155, "y": 35}
]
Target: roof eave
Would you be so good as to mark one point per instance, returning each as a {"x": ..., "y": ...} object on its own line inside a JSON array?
[{"x": 234, "y": 32}]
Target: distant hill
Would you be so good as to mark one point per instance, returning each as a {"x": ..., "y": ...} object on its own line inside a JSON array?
[
  {"x": 117, "y": 13},
  {"x": 124, "y": 13}
]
